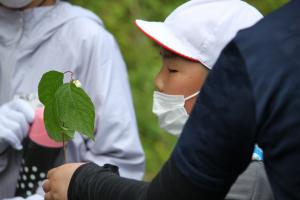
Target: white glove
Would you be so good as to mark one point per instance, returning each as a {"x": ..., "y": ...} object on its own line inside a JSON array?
[
  {"x": 15, "y": 198},
  {"x": 33, "y": 197},
  {"x": 15, "y": 117}
]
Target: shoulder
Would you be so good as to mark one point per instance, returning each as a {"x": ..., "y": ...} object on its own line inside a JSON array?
[
  {"x": 85, "y": 29},
  {"x": 270, "y": 43},
  {"x": 272, "y": 30},
  {"x": 82, "y": 24}
]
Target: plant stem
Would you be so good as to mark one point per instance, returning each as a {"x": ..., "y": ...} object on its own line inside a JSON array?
[
  {"x": 70, "y": 73},
  {"x": 64, "y": 148}
]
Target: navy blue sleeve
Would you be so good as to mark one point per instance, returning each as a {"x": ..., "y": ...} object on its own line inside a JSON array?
[
  {"x": 242, "y": 102},
  {"x": 93, "y": 182},
  {"x": 217, "y": 142},
  {"x": 215, "y": 146}
]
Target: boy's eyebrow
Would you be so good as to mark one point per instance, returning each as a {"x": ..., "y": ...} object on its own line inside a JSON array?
[
  {"x": 167, "y": 54},
  {"x": 161, "y": 53}
]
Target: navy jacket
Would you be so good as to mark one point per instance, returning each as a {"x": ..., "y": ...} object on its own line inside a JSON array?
[{"x": 252, "y": 95}]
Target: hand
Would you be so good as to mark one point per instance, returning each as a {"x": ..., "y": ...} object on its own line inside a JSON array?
[
  {"x": 15, "y": 117},
  {"x": 58, "y": 180}
]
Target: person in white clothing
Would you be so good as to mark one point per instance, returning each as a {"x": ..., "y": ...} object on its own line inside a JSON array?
[{"x": 37, "y": 36}]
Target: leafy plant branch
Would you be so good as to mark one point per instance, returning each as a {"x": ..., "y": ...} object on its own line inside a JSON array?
[{"x": 68, "y": 108}]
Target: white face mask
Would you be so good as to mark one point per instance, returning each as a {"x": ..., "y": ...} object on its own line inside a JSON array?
[
  {"x": 170, "y": 111},
  {"x": 15, "y": 3}
]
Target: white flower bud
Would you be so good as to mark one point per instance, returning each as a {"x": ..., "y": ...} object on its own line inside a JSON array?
[{"x": 77, "y": 83}]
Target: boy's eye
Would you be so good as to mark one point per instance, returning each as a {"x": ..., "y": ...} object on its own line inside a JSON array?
[{"x": 172, "y": 70}]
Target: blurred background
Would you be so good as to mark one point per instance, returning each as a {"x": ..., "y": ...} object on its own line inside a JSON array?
[{"x": 143, "y": 62}]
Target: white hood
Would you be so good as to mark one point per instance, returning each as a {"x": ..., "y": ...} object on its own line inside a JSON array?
[
  {"x": 38, "y": 24},
  {"x": 27, "y": 30}
]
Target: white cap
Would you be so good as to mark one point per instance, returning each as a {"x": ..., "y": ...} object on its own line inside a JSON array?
[{"x": 199, "y": 29}]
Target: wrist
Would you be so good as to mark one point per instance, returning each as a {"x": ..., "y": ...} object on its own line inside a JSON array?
[{"x": 71, "y": 193}]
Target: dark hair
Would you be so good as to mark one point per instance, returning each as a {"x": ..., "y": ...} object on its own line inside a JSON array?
[{"x": 167, "y": 54}]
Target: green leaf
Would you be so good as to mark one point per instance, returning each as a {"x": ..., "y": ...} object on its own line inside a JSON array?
[
  {"x": 54, "y": 126},
  {"x": 67, "y": 108},
  {"x": 48, "y": 85},
  {"x": 75, "y": 109}
]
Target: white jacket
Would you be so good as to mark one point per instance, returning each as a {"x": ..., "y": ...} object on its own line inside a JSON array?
[{"x": 68, "y": 38}]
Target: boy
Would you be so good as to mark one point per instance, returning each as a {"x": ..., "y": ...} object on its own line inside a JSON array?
[{"x": 186, "y": 64}]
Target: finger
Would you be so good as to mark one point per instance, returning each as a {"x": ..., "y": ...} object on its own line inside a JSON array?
[
  {"x": 25, "y": 108},
  {"x": 46, "y": 186},
  {"x": 48, "y": 196},
  {"x": 17, "y": 123},
  {"x": 12, "y": 139},
  {"x": 14, "y": 117},
  {"x": 50, "y": 173}
]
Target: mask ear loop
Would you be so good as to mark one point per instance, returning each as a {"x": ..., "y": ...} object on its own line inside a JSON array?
[{"x": 192, "y": 96}]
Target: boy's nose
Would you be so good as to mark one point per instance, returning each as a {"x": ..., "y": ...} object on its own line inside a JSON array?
[{"x": 159, "y": 82}]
